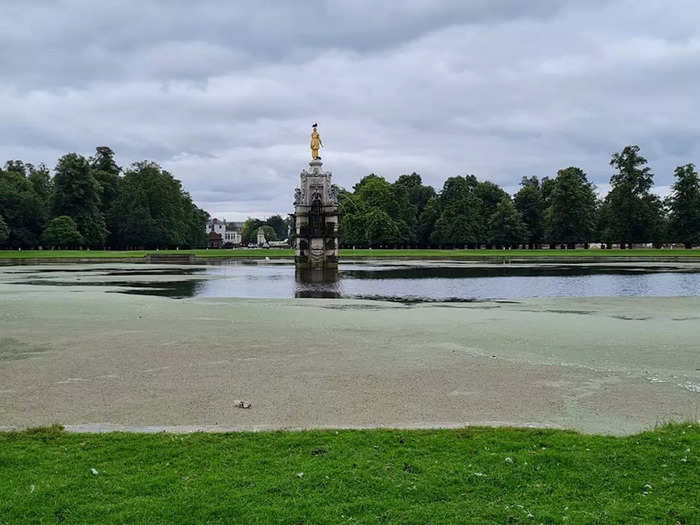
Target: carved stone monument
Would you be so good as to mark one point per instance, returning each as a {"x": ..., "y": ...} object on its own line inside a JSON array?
[
  {"x": 262, "y": 241},
  {"x": 316, "y": 215}
]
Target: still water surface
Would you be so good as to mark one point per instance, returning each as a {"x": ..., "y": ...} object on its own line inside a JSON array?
[{"x": 397, "y": 281}]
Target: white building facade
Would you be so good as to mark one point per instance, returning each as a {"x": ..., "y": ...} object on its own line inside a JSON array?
[{"x": 222, "y": 234}]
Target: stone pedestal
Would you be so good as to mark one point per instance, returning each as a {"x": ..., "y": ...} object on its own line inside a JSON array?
[{"x": 316, "y": 219}]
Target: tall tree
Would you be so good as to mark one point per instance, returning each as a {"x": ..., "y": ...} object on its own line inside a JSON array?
[
  {"x": 77, "y": 195},
  {"x": 466, "y": 206},
  {"x": 62, "y": 232},
  {"x": 4, "y": 233},
  {"x": 506, "y": 226},
  {"x": 426, "y": 222},
  {"x": 279, "y": 226},
  {"x": 376, "y": 192},
  {"x": 41, "y": 182},
  {"x": 352, "y": 224},
  {"x": 106, "y": 173},
  {"x": 23, "y": 210},
  {"x": 151, "y": 210},
  {"x": 375, "y": 200},
  {"x": 635, "y": 214},
  {"x": 270, "y": 233},
  {"x": 489, "y": 195},
  {"x": 459, "y": 222},
  {"x": 684, "y": 204},
  {"x": 418, "y": 194},
  {"x": 195, "y": 224},
  {"x": 249, "y": 232},
  {"x": 17, "y": 166},
  {"x": 381, "y": 229},
  {"x": 530, "y": 202},
  {"x": 571, "y": 217},
  {"x": 418, "y": 197}
]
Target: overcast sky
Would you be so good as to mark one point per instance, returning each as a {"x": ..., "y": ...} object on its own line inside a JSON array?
[{"x": 223, "y": 94}]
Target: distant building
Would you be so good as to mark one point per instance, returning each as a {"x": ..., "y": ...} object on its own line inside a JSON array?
[{"x": 221, "y": 234}]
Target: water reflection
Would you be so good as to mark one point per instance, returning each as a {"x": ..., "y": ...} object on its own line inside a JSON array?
[
  {"x": 317, "y": 283},
  {"x": 387, "y": 281},
  {"x": 172, "y": 289}
]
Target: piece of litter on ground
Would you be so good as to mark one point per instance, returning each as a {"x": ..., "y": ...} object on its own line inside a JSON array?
[
  {"x": 509, "y": 460},
  {"x": 31, "y": 488},
  {"x": 300, "y": 474},
  {"x": 239, "y": 403},
  {"x": 480, "y": 474},
  {"x": 94, "y": 471}
]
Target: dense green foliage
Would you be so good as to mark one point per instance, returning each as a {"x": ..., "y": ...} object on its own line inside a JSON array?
[
  {"x": 280, "y": 227},
  {"x": 468, "y": 475},
  {"x": 143, "y": 208},
  {"x": 62, "y": 232},
  {"x": 559, "y": 211},
  {"x": 684, "y": 204},
  {"x": 506, "y": 226},
  {"x": 531, "y": 204},
  {"x": 21, "y": 206},
  {"x": 570, "y": 215},
  {"x": 77, "y": 195},
  {"x": 275, "y": 229},
  {"x": 632, "y": 214},
  {"x": 3, "y": 230},
  {"x": 151, "y": 210}
]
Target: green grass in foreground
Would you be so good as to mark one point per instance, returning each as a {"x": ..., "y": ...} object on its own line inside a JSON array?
[
  {"x": 369, "y": 476},
  {"x": 30, "y": 254}
]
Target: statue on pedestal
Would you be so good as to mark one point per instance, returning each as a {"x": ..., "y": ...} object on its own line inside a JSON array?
[
  {"x": 316, "y": 142},
  {"x": 315, "y": 216}
]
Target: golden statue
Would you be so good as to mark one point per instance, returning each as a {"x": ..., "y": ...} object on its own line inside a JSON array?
[{"x": 316, "y": 143}]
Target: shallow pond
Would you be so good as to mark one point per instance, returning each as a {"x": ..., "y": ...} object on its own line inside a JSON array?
[{"x": 403, "y": 281}]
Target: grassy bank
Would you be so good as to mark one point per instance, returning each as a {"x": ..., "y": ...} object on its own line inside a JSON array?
[
  {"x": 470, "y": 475},
  {"x": 417, "y": 254},
  {"x": 94, "y": 254}
]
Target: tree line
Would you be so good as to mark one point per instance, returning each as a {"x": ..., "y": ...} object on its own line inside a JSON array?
[
  {"x": 94, "y": 203},
  {"x": 275, "y": 227},
  {"x": 563, "y": 210}
]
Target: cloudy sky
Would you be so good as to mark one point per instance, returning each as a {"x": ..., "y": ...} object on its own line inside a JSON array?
[{"x": 223, "y": 94}]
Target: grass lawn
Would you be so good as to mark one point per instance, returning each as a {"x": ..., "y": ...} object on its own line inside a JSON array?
[
  {"x": 470, "y": 475},
  {"x": 272, "y": 253}
]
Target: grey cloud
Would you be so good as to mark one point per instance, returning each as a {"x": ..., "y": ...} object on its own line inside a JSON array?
[
  {"x": 223, "y": 93},
  {"x": 74, "y": 41}
]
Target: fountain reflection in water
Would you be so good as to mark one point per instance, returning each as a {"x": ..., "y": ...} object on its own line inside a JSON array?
[
  {"x": 319, "y": 283},
  {"x": 390, "y": 281}
]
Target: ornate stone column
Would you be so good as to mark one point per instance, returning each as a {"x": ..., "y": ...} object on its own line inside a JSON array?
[{"x": 316, "y": 219}]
